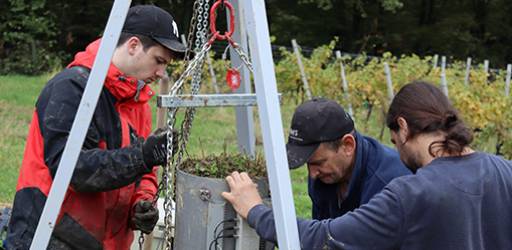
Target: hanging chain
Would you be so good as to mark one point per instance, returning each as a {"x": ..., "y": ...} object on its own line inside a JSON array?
[
  {"x": 141, "y": 240},
  {"x": 167, "y": 183},
  {"x": 191, "y": 30},
  {"x": 244, "y": 57},
  {"x": 199, "y": 24},
  {"x": 201, "y": 35},
  {"x": 199, "y": 57},
  {"x": 168, "y": 180},
  {"x": 204, "y": 31}
]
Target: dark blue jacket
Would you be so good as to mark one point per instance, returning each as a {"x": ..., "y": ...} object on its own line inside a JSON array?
[
  {"x": 452, "y": 203},
  {"x": 374, "y": 167}
]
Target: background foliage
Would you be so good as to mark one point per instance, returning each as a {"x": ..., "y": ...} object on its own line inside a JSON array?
[
  {"x": 28, "y": 37},
  {"x": 43, "y": 35},
  {"x": 482, "y": 102},
  {"x": 40, "y": 34}
]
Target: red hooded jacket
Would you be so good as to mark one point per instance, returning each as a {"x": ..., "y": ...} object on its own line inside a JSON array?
[{"x": 110, "y": 175}]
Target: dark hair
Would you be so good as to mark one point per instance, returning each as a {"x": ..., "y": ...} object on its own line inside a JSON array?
[
  {"x": 336, "y": 143},
  {"x": 146, "y": 41},
  {"x": 426, "y": 109},
  {"x": 333, "y": 144}
]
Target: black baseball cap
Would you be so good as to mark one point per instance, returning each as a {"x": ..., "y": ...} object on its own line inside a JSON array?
[
  {"x": 156, "y": 23},
  {"x": 315, "y": 121}
]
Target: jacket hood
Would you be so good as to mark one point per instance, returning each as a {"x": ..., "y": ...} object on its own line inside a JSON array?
[{"x": 122, "y": 87}]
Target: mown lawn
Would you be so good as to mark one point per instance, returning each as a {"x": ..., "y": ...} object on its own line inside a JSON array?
[
  {"x": 213, "y": 132},
  {"x": 17, "y": 98}
]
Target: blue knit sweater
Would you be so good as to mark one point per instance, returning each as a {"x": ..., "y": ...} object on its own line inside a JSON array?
[
  {"x": 374, "y": 167},
  {"x": 452, "y": 203}
]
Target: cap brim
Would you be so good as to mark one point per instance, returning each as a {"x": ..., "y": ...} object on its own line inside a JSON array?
[
  {"x": 298, "y": 155},
  {"x": 173, "y": 45}
]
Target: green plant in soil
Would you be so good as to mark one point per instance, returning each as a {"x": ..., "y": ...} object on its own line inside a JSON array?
[{"x": 220, "y": 165}]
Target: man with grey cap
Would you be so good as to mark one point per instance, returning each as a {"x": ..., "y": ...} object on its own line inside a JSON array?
[
  {"x": 114, "y": 181},
  {"x": 346, "y": 169}
]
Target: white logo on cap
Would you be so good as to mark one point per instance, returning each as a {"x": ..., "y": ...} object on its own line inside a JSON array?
[
  {"x": 294, "y": 135},
  {"x": 294, "y": 132},
  {"x": 175, "y": 29}
]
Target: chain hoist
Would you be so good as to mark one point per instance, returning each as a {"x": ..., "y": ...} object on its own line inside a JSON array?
[
  {"x": 233, "y": 74},
  {"x": 194, "y": 68},
  {"x": 202, "y": 27},
  {"x": 166, "y": 183},
  {"x": 199, "y": 24},
  {"x": 191, "y": 30}
]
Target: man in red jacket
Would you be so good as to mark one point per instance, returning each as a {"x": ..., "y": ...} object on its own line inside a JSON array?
[{"x": 115, "y": 179}]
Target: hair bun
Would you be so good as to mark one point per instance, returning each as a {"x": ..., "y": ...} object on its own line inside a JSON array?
[{"x": 450, "y": 120}]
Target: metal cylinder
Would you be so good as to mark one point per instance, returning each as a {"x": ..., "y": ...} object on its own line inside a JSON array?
[{"x": 202, "y": 215}]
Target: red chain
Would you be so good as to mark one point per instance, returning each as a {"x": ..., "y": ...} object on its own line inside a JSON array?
[{"x": 213, "y": 26}]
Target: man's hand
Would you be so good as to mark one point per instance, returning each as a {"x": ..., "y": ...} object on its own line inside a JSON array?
[
  {"x": 154, "y": 149},
  {"x": 145, "y": 216},
  {"x": 244, "y": 194}
]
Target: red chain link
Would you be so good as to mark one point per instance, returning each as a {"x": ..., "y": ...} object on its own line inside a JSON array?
[{"x": 213, "y": 26}]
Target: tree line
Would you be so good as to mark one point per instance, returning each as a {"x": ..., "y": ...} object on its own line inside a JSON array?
[{"x": 38, "y": 35}]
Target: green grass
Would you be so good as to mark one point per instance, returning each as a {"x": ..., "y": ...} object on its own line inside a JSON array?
[
  {"x": 17, "y": 99},
  {"x": 213, "y": 132}
]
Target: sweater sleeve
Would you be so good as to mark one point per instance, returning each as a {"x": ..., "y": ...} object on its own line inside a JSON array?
[
  {"x": 378, "y": 223},
  {"x": 96, "y": 169},
  {"x": 147, "y": 188}
]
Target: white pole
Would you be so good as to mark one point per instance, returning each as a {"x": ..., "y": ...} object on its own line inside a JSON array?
[
  {"x": 486, "y": 66},
  {"x": 271, "y": 124},
  {"x": 246, "y": 134},
  {"x": 389, "y": 82},
  {"x": 507, "y": 80},
  {"x": 163, "y": 88},
  {"x": 346, "y": 92},
  {"x": 80, "y": 125},
  {"x": 213, "y": 76},
  {"x": 301, "y": 68},
  {"x": 184, "y": 40},
  {"x": 444, "y": 85},
  {"x": 468, "y": 70},
  {"x": 436, "y": 58}
]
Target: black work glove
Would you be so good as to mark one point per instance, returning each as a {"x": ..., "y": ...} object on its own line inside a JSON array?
[
  {"x": 154, "y": 149},
  {"x": 145, "y": 216}
]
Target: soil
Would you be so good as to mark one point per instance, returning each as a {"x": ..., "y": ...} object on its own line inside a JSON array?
[{"x": 219, "y": 166}]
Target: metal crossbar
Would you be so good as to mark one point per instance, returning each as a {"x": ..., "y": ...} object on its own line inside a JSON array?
[{"x": 213, "y": 100}]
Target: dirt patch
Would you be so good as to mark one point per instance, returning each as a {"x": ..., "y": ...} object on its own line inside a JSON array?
[{"x": 219, "y": 166}]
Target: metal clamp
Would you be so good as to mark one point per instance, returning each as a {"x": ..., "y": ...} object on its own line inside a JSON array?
[{"x": 205, "y": 194}]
